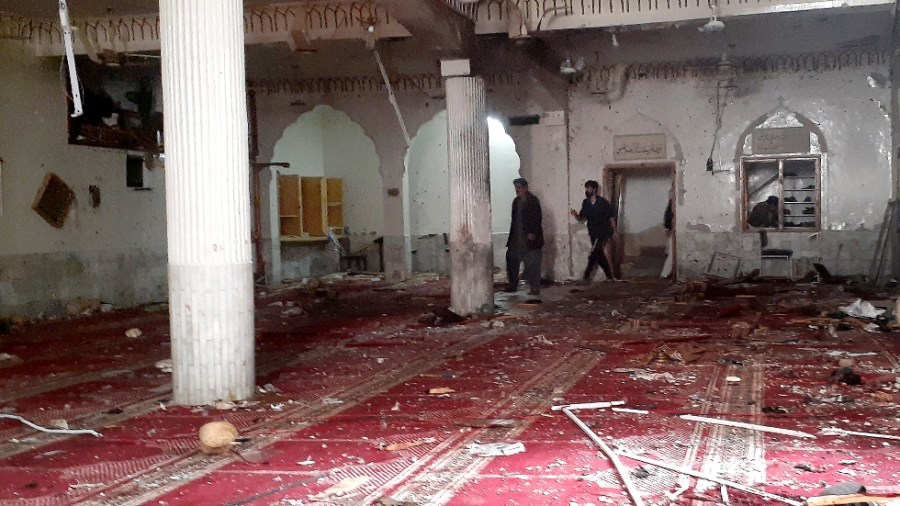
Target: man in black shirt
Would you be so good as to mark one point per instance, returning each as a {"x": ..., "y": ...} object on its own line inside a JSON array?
[
  {"x": 601, "y": 225},
  {"x": 526, "y": 238}
]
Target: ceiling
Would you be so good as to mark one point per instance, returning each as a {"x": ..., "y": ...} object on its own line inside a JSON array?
[
  {"x": 89, "y": 8},
  {"x": 768, "y": 34}
]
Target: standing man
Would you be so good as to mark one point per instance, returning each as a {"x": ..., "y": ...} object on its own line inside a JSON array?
[
  {"x": 526, "y": 238},
  {"x": 764, "y": 214},
  {"x": 601, "y": 225}
]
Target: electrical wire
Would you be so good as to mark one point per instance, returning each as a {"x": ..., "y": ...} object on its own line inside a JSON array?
[{"x": 391, "y": 97}]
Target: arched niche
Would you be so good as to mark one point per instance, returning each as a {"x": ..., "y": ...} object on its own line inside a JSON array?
[
  {"x": 780, "y": 132},
  {"x": 325, "y": 142},
  {"x": 429, "y": 180}
]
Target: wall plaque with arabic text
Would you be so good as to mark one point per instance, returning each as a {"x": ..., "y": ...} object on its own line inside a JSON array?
[{"x": 639, "y": 147}]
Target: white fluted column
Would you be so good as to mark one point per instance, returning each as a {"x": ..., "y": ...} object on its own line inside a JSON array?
[
  {"x": 207, "y": 199},
  {"x": 471, "y": 252}
]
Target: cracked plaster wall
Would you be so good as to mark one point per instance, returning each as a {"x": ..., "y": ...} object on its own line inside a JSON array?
[
  {"x": 115, "y": 253},
  {"x": 847, "y": 106}
]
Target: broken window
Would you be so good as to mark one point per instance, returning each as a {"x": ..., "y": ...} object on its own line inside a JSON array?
[{"x": 781, "y": 193}]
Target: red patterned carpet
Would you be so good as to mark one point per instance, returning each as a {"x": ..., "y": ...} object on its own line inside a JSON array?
[{"x": 351, "y": 375}]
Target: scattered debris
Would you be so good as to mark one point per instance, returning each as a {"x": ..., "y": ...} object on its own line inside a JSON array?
[
  {"x": 540, "y": 339},
  {"x": 695, "y": 474},
  {"x": 633, "y": 411},
  {"x": 133, "y": 333},
  {"x": 293, "y": 311},
  {"x": 268, "y": 388},
  {"x": 341, "y": 488},
  {"x": 65, "y": 430},
  {"x": 217, "y": 438},
  {"x": 809, "y": 467},
  {"x": 862, "y": 309},
  {"x": 732, "y": 379},
  {"x": 82, "y": 307},
  {"x": 487, "y": 423},
  {"x": 165, "y": 365},
  {"x": 626, "y": 480},
  {"x": 406, "y": 445},
  {"x": 495, "y": 449},
  {"x": 6, "y": 357},
  {"x": 441, "y": 391},
  {"x": 832, "y": 431},
  {"x": 387, "y": 501},
  {"x": 588, "y": 405},
  {"x": 845, "y": 375},
  {"x": 644, "y": 374}
]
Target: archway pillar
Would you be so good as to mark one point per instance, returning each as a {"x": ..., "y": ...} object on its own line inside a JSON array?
[{"x": 471, "y": 250}]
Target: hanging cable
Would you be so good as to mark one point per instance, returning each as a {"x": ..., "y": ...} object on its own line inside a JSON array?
[{"x": 391, "y": 97}]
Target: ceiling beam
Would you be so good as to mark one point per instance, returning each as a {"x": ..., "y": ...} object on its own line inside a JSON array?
[{"x": 435, "y": 25}]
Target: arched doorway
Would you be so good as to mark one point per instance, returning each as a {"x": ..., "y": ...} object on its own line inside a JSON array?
[
  {"x": 323, "y": 145},
  {"x": 428, "y": 187}
]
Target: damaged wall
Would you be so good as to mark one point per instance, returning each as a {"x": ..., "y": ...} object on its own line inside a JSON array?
[
  {"x": 848, "y": 107},
  {"x": 116, "y": 252}
]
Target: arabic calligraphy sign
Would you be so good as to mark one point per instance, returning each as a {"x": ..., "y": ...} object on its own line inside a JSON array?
[
  {"x": 639, "y": 147},
  {"x": 773, "y": 141}
]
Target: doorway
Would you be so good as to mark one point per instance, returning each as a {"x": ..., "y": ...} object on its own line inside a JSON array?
[{"x": 640, "y": 195}]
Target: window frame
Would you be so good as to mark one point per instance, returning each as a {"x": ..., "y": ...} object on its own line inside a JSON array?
[{"x": 747, "y": 206}]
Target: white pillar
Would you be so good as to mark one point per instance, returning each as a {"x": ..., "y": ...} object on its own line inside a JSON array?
[
  {"x": 471, "y": 251},
  {"x": 207, "y": 199}
]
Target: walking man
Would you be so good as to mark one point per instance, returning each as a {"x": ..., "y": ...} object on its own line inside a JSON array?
[
  {"x": 526, "y": 238},
  {"x": 601, "y": 225}
]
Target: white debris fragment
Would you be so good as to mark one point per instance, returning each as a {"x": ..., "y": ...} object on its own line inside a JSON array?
[
  {"x": 165, "y": 365},
  {"x": 495, "y": 449},
  {"x": 133, "y": 333},
  {"x": 541, "y": 339},
  {"x": 732, "y": 379},
  {"x": 862, "y": 309}
]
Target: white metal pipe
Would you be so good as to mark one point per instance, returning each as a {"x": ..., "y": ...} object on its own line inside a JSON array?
[
  {"x": 830, "y": 431},
  {"x": 695, "y": 474},
  {"x": 750, "y": 426},
  {"x": 588, "y": 405},
  {"x": 623, "y": 473}
]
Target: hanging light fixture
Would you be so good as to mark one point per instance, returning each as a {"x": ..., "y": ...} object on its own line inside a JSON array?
[{"x": 714, "y": 24}]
